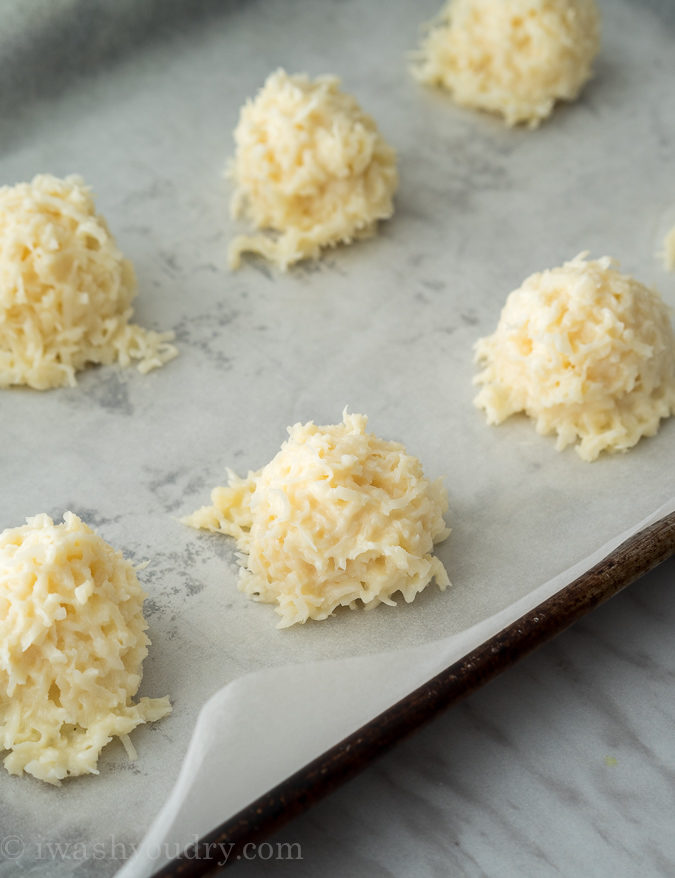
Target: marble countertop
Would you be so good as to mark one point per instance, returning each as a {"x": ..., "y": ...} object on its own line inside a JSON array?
[{"x": 562, "y": 766}]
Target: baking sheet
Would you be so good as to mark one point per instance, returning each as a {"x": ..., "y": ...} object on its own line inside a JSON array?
[{"x": 386, "y": 327}]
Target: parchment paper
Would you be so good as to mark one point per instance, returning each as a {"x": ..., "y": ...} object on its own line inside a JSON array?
[{"x": 385, "y": 326}]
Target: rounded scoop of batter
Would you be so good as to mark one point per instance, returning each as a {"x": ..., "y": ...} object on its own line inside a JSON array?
[
  {"x": 586, "y": 351},
  {"x": 339, "y": 517},
  {"x": 65, "y": 288},
  {"x": 512, "y": 57},
  {"x": 310, "y": 168},
  {"x": 72, "y": 644}
]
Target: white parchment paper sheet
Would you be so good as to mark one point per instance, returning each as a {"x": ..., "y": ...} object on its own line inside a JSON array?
[{"x": 386, "y": 327}]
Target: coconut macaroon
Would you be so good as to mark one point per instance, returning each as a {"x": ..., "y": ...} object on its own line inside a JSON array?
[
  {"x": 65, "y": 288},
  {"x": 72, "y": 644},
  {"x": 589, "y": 353},
  {"x": 512, "y": 57},
  {"x": 338, "y": 518},
  {"x": 310, "y": 169}
]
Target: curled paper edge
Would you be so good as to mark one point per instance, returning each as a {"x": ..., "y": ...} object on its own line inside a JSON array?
[{"x": 248, "y": 736}]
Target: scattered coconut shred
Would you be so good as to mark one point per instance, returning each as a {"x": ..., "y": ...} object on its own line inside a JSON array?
[
  {"x": 589, "y": 353},
  {"x": 338, "y": 518},
  {"x": 310, "y": 168},
  {"x": 669, "y": 250},
  {"x": 512, "y": 57},
  {"x": 72, "y": 644},
  {"x": 65, "y": 289}
]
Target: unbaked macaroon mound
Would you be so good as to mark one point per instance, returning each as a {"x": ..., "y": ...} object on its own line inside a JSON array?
[
  {"x": 586, "y": 351},
  {"x": 65, "y": 288},
  {"x": 72, "y": 645},
  {"x": 512, "y": 57},
  {"x": 339, "y": 517},
  {"x": 310, "y": 169}
]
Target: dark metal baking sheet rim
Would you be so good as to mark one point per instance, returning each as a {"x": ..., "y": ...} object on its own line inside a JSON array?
[{"x": 269, "y": 813}]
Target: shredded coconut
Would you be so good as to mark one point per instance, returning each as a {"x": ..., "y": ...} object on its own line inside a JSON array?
[
  {"x": 310, "y": 168},
  {"x": 72, "y": 644},
  {"x": 338, "y": 518},
  {"x": 513, "y": 57},
  {"x": 65, "y": 288},
  {"x": 589, "y": 353}
]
